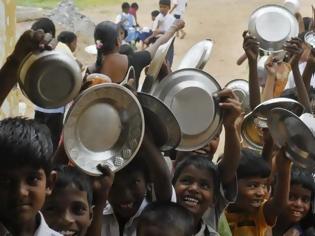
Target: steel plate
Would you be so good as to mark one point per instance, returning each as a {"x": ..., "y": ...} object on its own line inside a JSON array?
[
  {"x": 189, "y": 93},
  {"x": 241, "y": 89},
  {"x": 105, "y": 125}
]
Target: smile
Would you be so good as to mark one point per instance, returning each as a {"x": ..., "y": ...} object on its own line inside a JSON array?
[
  {"x": 68, "y": 232},
  {"x": 191, "y": 201}
]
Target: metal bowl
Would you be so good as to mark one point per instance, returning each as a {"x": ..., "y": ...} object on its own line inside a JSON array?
[
  {"x": 251, "y": 133},
  {"x": 262, "y": 110},
  {"x": 288, "y": 130},
  {"x": 189, "y": 93},
  {"x": 105, "y": 125},
  {"x": 292, "y": 5},
  {"x": 272, "y": 25},
  {"x": 309, "y": 38},
  {"x": 241, "y": 88},
  {"x": 197, "y": 56},
  {"x": 50, "y": 79},
  {"x": 162, "y": 122}
]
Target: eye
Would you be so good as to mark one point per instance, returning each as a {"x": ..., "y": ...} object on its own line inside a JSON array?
[
  {"x": 79, "y": 208},
  {"x": 33, "y": 179},
  {"x": 292, "y": 197},
  {"x": 185, "y": 180},
  {"x": 205, "y": 185},
  {"x": 306, "y": 200}
]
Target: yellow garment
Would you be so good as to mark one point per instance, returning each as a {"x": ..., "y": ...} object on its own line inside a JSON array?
[{"x": 247, "y": 224}]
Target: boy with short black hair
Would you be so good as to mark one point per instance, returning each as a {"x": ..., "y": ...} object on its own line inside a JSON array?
[
  {"x": 165, "y": 218},
  {"x": 25, "y": 177},
  {"x": 252, "y": 213}
]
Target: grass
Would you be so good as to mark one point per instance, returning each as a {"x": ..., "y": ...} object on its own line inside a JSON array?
[{"x": 79, "y": 3}]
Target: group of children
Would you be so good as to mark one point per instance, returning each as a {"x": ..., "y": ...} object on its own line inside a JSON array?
[{"x": 247, "y": 193}]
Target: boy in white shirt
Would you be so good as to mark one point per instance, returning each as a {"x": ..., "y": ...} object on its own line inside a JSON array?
[{"x": 178, "y": 10}]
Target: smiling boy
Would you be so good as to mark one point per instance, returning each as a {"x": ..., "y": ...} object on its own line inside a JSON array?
[{"x": 25, "y": 177}]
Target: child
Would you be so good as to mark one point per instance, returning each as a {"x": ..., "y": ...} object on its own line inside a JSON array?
[
  {"x": 251, "y": 214},
  {"x": 165, "y": 218},
  {"x": 128, "y": 195},
  {"x": 162, "y": 24},
  {"x": 134, "y": 7},
  {"x": 25, "y": 177},
  {"x": 68, "y": 210},
  {"x": 204, "y": 188},
  {"x": 146, "y": 32},
  {"x": 302, "y": 189},
  {"x": 178, "y": 9},
  {"x": 69, "y": 39}
]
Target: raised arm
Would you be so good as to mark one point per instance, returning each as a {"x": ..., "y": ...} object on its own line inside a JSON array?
[
  {"x": 177, "y": 25},
  {"x": 270, "y": 67},
  {"x": 294, "y": 48},
  {"x": 231, "y": 111},
  {"x": 159, "y": 172},
  {"x": 28, "y": 42},
  {"x": 251, "y": 46},
  {"x": 278, "y": 202},
  {"x": 309, "y": 70}
]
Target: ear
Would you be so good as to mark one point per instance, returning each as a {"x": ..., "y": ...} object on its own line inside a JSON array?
[
  {"x": 91, "y": 214},
  {"x": 51, "y": 180}
]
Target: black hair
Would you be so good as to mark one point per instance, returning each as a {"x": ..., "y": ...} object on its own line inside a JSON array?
[
  {"x": 126, "y": 49},
  {"x": 292, "y": 93},
  {"x": 201, "y": 162},
  {"x": 302, "y": 177},
  {"x": 169, "y": 216},
  {"x": 69, "y": 175},
  {"x": 134, "y": 5},
  {"x": 125, "y": 5},
  {"x": 252, "y": 165},
  {"x": 107, "y": 34},
  {"x": 155, "y": 13},
  {"x": 46, "y": 25},
  {"x": 66, "y": 37},
  {"x": 165, "y": 2},
  {"x": 25, "y": 142}
]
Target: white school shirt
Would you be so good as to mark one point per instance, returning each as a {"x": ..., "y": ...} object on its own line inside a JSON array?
[
  {"x": 180, "y": 8},
  {"x": 110, "y": 224},
  {"x": 291, "y": 83},
  {"x": 42, "y": 230},
  {"x": 163, "y": 23},
  {"x": 126, "y": 19}
]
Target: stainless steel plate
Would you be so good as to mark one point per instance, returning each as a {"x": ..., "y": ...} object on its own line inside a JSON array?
[
  {"x": 105, "y": 125},
  {"x": 272, "y": 25},
  {"x": 197, "y": 56},
  {"x": 241, "y": 88},
  {"x": 288, "y": 130},
  {"x": 50, "y": 79},
  {"x": 309, "y": 38},
  {"x": 263, "y": 109},
  {"x": 189, "y": 95},
  {"x": 162, "y": 122},
  {"x": 251, "y": 134}
]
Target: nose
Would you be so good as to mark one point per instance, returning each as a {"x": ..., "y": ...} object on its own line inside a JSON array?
[
  {"x": 22, "y": 189},
  {"x": 194, "y": 187},
  {"x": 67, "y": 217},
  {"x": 260, "y": 191},
  {"x": 298, "y": 202}
]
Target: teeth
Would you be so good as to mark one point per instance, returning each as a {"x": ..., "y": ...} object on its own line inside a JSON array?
[
  {"x": 192, "y": 200},
  {"x": 296, "y": 213},
  {"x": 66, "y": 233}
]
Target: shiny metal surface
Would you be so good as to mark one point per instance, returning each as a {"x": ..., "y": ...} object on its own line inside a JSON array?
[
  {"x": 241, "y": 89},
  {"x": 263, "y": 109},
  {"x": 50, "y": 79},
  {"x": 251, "y": 134},
  {"x": 309, "y": 38},
  {"x": 161, "y": 121},
  {"x": 272, "y": 25},
  {"x": 105, "y": 125},
  {"x": 288, "y": 130},
  {"x": 91, "y": 49},
  {"x": 197, "y": 56},
  {"x": 189, "y": 93}
]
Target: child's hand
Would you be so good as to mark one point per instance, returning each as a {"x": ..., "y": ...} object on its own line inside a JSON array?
[
  {"x": 32, "y": 41},
  {"x": 282, "y": 161},
  {"x": 102, "y": 185},
  {"x": 251, "y": 46},
  {"x": 179, "y": 24},
  {"x": 231, "y": 107},
  {"x": 271, "y": 66},
  {"x": 295, "y": 50}
]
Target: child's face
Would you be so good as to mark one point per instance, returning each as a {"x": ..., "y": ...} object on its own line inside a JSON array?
[
  {"x": 22, "y": 194},
  {"x": 164, "y": 9},
  {"x": 194, "y": 190},
  {"x": 251, "y": 193},
  {"x": 67, "y": 211},
  {"x": 127, "y": 193},
  {"x": 73, "y": 45},
  {"x": 299, "y": 203}
]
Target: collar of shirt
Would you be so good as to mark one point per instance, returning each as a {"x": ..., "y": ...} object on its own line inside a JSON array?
[
  {"x": 42, "y": 230},
  {"x": 206, "y": 228}
]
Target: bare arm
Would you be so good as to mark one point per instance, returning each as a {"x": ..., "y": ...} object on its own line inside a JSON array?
[
  {"x": 275, "y": 205},
  {"x": 250, "y": 46},
  {"x": 173, "y": 8},
  {"x": 309, "y": 70},
  {"x": 232, "y": 148},
  {"x": 178, "y": 24},
  {"x": 158, "y": 170}
]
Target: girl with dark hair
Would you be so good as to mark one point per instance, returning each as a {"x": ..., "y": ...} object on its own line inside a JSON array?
[{"x": 115, "y": 65}]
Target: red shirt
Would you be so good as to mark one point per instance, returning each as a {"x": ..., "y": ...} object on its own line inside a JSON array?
[{"x": 132, "y": 11}]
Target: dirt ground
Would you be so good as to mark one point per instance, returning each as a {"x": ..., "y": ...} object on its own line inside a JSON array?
[{"x": 220, "y": 20}]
